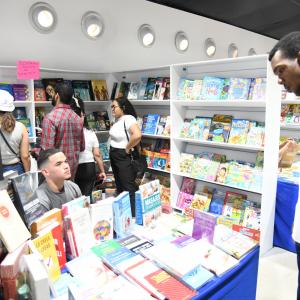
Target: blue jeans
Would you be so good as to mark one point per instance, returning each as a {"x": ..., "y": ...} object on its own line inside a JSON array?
[
  {"x": 298, "y": 263},
  {"x": 15, "y": 167}
]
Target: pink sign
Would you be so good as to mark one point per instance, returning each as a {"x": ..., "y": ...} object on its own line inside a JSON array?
[{"x": 28, "y": 69}]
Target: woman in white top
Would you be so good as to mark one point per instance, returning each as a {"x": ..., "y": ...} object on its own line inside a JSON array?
[
  {"x": 120, "y": 147},
  {"x": 13, "y": 138},
  {"x": 86, "y": 173}
]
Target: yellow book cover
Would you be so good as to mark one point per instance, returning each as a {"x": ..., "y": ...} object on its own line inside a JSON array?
[
  {"x": 100, "y": 90},
  {"x": 46, "y": 247}
]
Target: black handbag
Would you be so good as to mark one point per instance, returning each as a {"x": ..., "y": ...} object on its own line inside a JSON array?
[{"x": 138, "y": 161}]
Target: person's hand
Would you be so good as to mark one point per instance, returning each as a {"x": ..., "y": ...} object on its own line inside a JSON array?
[
  {"x": 102, "y": 175},
  {"x": 127, "y": 151}
]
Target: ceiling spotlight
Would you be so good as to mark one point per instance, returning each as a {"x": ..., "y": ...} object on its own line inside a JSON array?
[
  {"x": 233, "y": 51},
  {"x": 146, "y": 35},
  {"x": 181, "y": 41},
  {"x": 210, "y": 47},
  {"x": 251, "y": 52},
  {"x": 42, "y": 17},
  {"x": 92, "y": 25}
]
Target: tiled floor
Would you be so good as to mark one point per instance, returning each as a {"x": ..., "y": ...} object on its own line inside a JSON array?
[{"x": 277, "y": 278}]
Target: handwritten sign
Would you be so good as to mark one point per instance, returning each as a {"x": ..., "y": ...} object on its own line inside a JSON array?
[{"x": 28, "y": 69}]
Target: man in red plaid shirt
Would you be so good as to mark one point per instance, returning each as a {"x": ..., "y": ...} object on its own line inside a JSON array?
[{"x": 63, "y": 128}]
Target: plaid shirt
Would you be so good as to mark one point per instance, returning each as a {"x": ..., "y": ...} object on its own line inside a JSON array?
[{"x": 63, "y": 129}]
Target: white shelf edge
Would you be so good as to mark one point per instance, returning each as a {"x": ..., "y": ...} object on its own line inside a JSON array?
[
  {"x": 22, "y": 103},
  {"x": 294, "y": 101},
  {"x": 150, "y": 102},
  {"x": 231, "y": 103},
  {"x": 217, "y": 183},
  {"x": 101, "y": 131},
  {"x": 158, "y": 170},
  {"x": 219, "y": 144},
  {"x": 156, "y": 136},
  {"x": 290, "y": 127}
]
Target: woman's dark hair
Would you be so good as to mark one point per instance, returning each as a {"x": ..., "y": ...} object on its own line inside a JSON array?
[
  {"x": 126, "y": 106},
  {"x": 8, "y": 121},
  {"x": 78, "y": 107}
]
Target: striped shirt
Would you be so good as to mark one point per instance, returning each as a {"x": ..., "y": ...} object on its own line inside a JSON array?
[{"x": 63, "y": 129}]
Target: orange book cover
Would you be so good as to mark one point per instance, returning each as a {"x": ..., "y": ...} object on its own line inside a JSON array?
[{"x": 100, "y": 90}]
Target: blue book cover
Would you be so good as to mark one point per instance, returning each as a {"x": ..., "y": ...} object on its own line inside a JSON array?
[
  {"x": 212, "y": 88},
  {"x": 104, "y": 151},
  {"x": 150, "y": 88},
  {"x": 122, "y": 214},
  {"x": 239, "y": 88},
  {"x": 151, "y": 124},
  {"x": 116, "y": 257},
  {"x": 197, "y": 277},
  {"x": 142, "y": 88},
  {"x": 217, "y": 202}
]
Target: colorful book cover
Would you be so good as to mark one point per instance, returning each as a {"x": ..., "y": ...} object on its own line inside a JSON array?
[
  {"x": 161, "y": 125},
  {"x": 212, "y": 88},
  {"x": 204, "y": 225},
  {"x": 167, "y": 128},
  {"x": 194, "y": 129},
  {"x": 222, "y": 172},
  {"x": 204, "y": 124},
  {"x": 258, "y": 91},
  {"x": 20, "y": 91},
  {"x": 249, "y": 232},
  {"x": 188, "y": 185},
  {"x": 256, "y": 134},
  {"x": 102, "y": 220},
  {"x": 49, "y": 86},
  {"x": 225, "y": 89},
  {"x": 20, "y": 113},
  {"x": 227, "y": 221},
  {"x": 150, "y": 127},
  {"x": 106, "y": 247},
  {"x": 99, "y": 89},
  {"x": 157, "y": 88},
  {"x": 201, "y": 201},
  {"x": 82, "y": 89},
  {"x": 184, "y": 132},
  {"x": 27, "y": 123},
  {"x": 234, "y": 205},
  {"x": 239, "y": 131},
  {"x": 197, "y": 277},
  {"x": 251, "y": 218},
  {"x": 96, "y": 196},
  {"x": 184, "y": 200},
  {"x": 165, "y": 89},
  {"x": 181, "y": 87},
  {"x": 133, "y": 90},
  {"x": 45, "y": 246},
  {"x": 186, "y": 163},
  {"x": 122, "y": 214},
  {"x": 220, "y": 128},
  {"x": 239, "y": 88},
  {"x": 160, "y": 160},
  {"x": 150, "y": 87},
  {"x": 196, "y": 91},
  {"x": 217, "y": 202},
  {"x": 201, "y": 165},
  {"x": 104, "y": 151},
  {"x": 142, "y": 88},
  {"x": 123, "y": 89}
]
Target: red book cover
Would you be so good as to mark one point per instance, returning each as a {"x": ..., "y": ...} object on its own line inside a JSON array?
[
  {"x": 249, "y": 232},
  {"x": 169, "y": 286},
  {"x": 59, "y": 245}
]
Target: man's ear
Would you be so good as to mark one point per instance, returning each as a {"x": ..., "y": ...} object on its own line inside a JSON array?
[
  {"x": 298, "y": 58},
  {"x": 45, "y": 172}
]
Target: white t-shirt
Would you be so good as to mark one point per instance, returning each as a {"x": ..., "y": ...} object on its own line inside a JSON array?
[
  {"x": 91, "y": 142},
  {"x": 117, "y": 132}
]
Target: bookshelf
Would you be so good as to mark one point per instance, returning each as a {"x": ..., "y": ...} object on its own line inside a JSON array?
[{"x": 267, "y": 111}]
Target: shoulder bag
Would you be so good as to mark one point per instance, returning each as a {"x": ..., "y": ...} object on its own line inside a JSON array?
[{"x": 138, "y": 161}]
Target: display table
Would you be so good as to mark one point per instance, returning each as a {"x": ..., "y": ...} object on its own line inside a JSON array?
[
  {"x": 238, "y": 283},
  {"x": 286, "y": 199}
]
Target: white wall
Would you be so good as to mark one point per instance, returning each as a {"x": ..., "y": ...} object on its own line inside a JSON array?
[{"x": 118, "y": 49}]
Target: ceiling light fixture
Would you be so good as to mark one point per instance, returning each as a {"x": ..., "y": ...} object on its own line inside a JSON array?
[
  {"x": 92, "y": 25},
  {"x": 210, "y": 47},
  {"x": 146, "y": 35},
  {"x": 181, "y": 41},
  {"x": 233, "y": 51},
  {"x": 42, "y": 17}
]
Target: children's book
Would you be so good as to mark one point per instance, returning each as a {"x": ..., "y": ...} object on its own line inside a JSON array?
[
  {"x": 212, "y": 88},
  {"x": 239, "y": 131},
  {"x": 225, "y": 89},
  {"x": 188, "y": 185},
  {"x": 122, "y": 214},
  {"x": 220, "y": 128},
  {"x": 234, "y": 205},
  {"x": 204, "y": 225},
  {"x": 201, "y": 201},
  {"x": 184, "y": 200},
  {"x": 184, "y": 132},
  {"x": 196, "y": 91},
  {"x": 239, "y": 88},
  {"x": 186, "y": 163},
  {"x": 256, "y": 134},
  {"x": 217, "y": 202},
  {"x": 258, "y": 89},
  {"x": 251, "y": 218},
  {"x": 222, "y": 172},
  {"x": 249, "y": 232},
  {"x": 39, "y": 91}
]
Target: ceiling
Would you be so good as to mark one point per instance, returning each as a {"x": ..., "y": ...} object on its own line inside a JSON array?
[{"x": 272, "y": 18}]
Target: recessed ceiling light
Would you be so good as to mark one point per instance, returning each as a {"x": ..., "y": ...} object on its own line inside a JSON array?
[
  {"x": 181, "y": 41},
  {"x": 233, "y": 51},
  {"x": 42, "y": 17},
  {"x": 92, "y": 25},
  {"x": 146, "y": 35},
  {"x": 210, "y": 47},
  {"x": 251, "y": 52}
]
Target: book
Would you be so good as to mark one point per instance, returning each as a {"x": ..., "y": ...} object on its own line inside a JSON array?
[
  {"x": 251, "y": 218},
  {"x": 114, "y": 91},
  {"x": 27, "y": 123},
  {"x": 234, "y": 205},
  {"x": 122, "y": 214},
  {"x": 73, "y": 205},
  {"x": 222, "y": 172},
  {"x": 239, "y": 88},
  {"x": 161, "y": 125},
  {"x": 20, "y": 91},
  {"x": 37, "y": 277},
  {"x": 150, "y": 124},
  {"x": 220, "y": 128},
  {"x": 258, "y": 89},
  {"x": 186, "y": 163},
  {"x": 225, "y": 89},
  {"x": 239, "y": 131},
  {"x": 45, "y": 246},
  {"x": 217, "y": 202},
  {"x": 256, "y": 134},
  {"x": 105, "y": 248},
  {"x": 204, "y": 225},
  {"x": 211, "y": 88},
  {"x": 82, "y": 89},
  {"x": 13, "y": 231},
  {"x": 157, "y": 88},
  {"x": 249, "y": 232},
  {"x": 20, "y": 113},
  {"x": 184, "y": 200},
  {"x": 133, "y": 90},
  {"x": 184, "y": 132},
  {"x": 96, "y": 196},
  {"x": 188, "y": 185},
  {"x": 99, "y": 89},
  {"x": 124, "y": 89},
  {"x": 142, "y": 88},
  {"x": 102, "y": 120},
  {"x": 49, "y": 86},
  {"x": 165, "y": 89},
  {"x": 196, "y": 91},
  {"x": 150, "y": 87}
]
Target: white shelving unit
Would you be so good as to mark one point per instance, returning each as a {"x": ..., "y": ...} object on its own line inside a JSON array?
[
  {"x": 267, "y": 111},
  {"x": 142, "y": 107}
]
